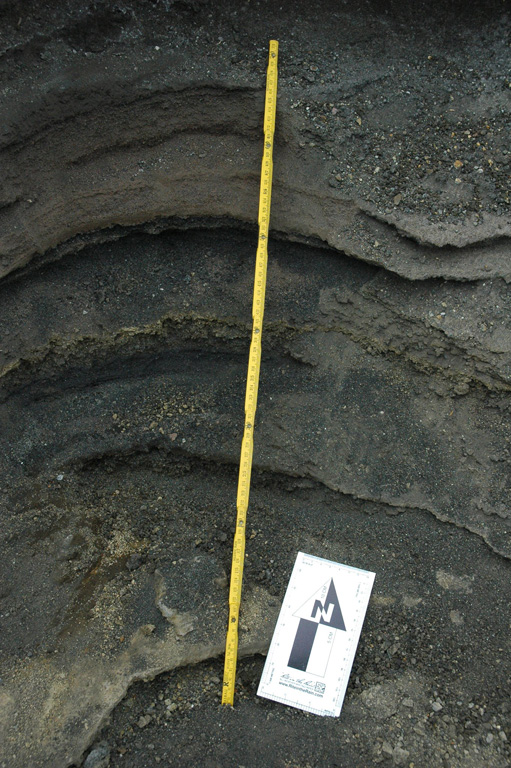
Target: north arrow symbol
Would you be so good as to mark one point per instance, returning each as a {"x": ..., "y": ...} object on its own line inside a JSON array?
[{"x": 313, "y": 613}]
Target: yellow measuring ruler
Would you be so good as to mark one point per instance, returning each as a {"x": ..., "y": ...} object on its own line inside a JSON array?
[{"x": 254, "y": 364}]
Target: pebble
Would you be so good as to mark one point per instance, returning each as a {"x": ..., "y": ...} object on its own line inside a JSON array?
[
  {"x": 400, "y": 756},
  {"x": 69, "y": 549},
  {"x": 144, "y": 720},
  {"x": 386, "y": 748},
  {"x": 134, "y": 561},
  {"x": 436, "y": 706},
  {"x": 99, "y": 757}
]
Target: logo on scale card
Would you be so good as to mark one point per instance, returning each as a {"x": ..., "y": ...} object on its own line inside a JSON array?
[
  {"x": 312, "y": 687},
  {"x": 320, "y": 617}
]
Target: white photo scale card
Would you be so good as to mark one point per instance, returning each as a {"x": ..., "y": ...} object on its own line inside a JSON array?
[{"x": 316, "y": 637}]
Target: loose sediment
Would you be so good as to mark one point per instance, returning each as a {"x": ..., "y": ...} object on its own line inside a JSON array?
[{"x": 131, "y": 155}]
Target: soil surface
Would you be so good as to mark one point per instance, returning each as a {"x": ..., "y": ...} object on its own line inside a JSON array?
[{"x": 131, "y": 147}]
